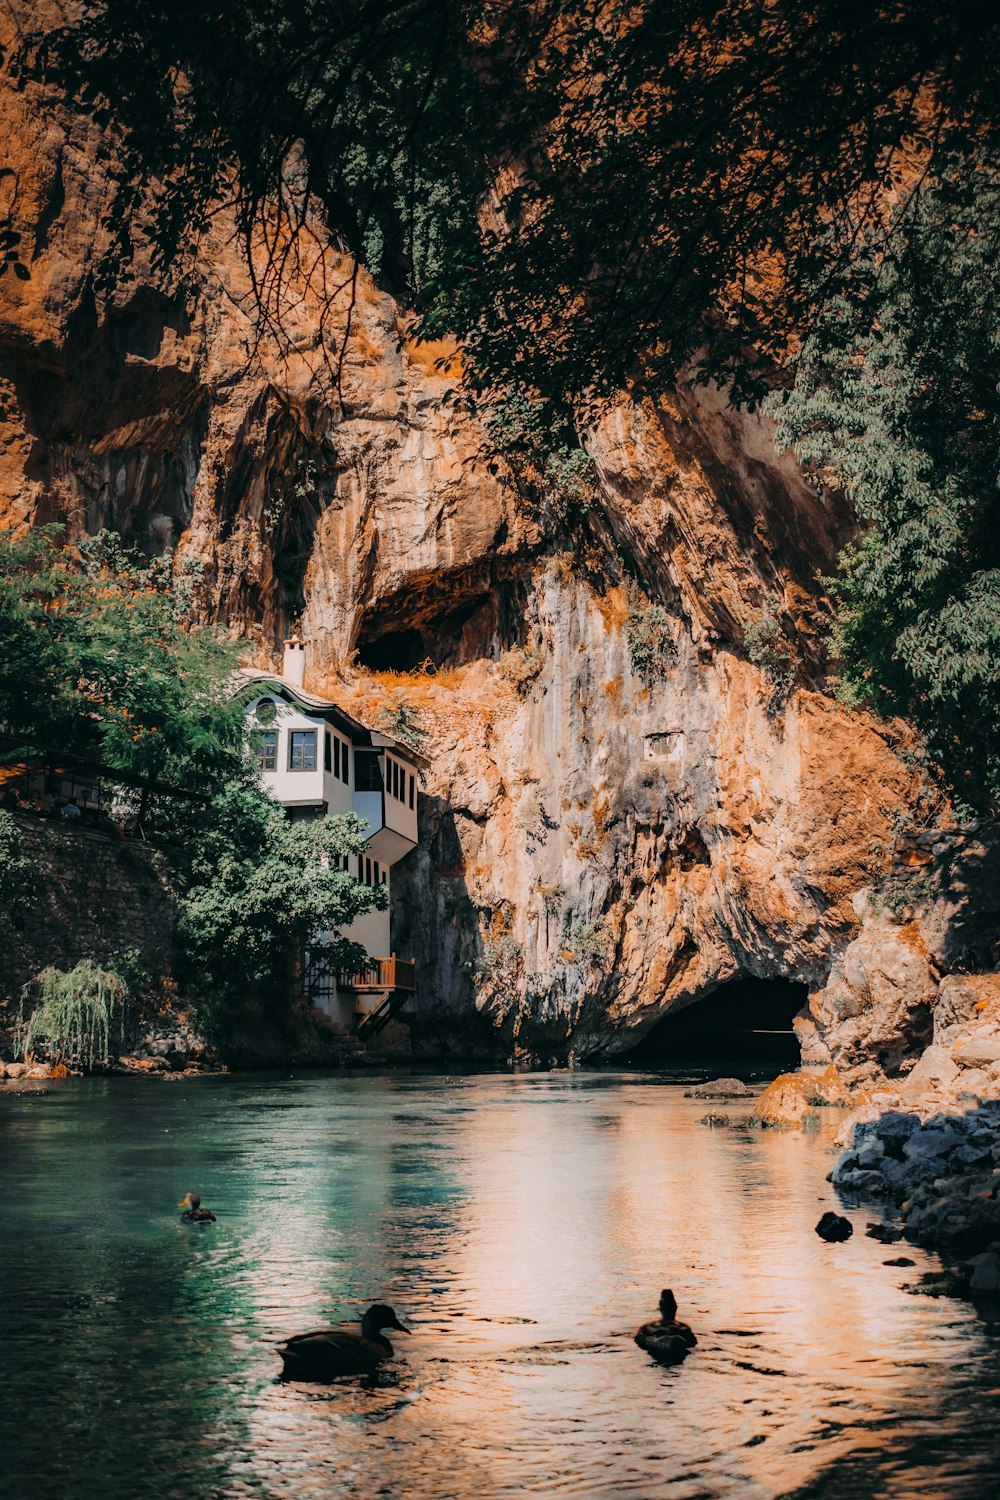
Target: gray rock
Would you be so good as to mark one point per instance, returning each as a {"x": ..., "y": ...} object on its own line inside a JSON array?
[
  {"x": 871, "y": 1156},
  {"x": 719, "y": 1088},
  {"x": 927, "y": 1143},
  {"x": 970, "y": 1153},
  {"x": 863, "y": 1182},
  {"x": 894, "y": 1128},
  {"x": 986, "y": 1275}
]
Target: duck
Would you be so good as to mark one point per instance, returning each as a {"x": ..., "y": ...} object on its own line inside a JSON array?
[
  {"x": 330, "y": 1352},
  {"x": 193, "y": 1211},
  {"x": 668, "y": 1340}
]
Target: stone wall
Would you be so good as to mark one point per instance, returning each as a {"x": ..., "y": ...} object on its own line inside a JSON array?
[{"x": 96, "y": 896}]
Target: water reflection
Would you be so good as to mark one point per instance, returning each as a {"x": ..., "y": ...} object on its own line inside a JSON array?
[{"x": 523, "y": 1226}]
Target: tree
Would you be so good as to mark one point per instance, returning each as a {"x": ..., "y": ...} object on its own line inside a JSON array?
[
  {"x": 259, "y": 888},
  {"x": 99, "y": 655},
  {"x": 896, "y": 396}
]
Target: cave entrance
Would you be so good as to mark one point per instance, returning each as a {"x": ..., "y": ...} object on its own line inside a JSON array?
[{"x": 742, "y": 1027}]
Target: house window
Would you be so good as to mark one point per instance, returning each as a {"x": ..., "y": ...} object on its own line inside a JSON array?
[
  {"x": 326, "y": 751},
  {"x": 411, "y": 791},
  {"x": 367, "y": 776},
  {"x": 336, "y": 755},
  {"x": 345, "y": 771},
  {"x": 382, "y": 876},
  {"x": 267, "y": 750},
  {"x": 302, "y": 750}
]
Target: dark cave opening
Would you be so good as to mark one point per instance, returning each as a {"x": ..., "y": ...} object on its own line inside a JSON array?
[
  {"x": 742, "y": 1027},
  {"x": 396, "y": 651}
]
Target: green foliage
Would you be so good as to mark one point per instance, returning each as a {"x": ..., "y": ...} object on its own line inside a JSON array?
[
  {"x": 532, "y": 816},
  {"x": 589, "y": 944},
  {"x": 18, "y": 877},
  {"x": 897, "y": 399},
  {"x": 768, "y": 647},
  {"x": 556, "y": 476},
  {"x": 502, "y": 964},
  {"x": 73, "y": 1014},
  {"x": 99, "y": 654},
  {"x": 258, "y": 887},
  {"x": 403, "y": 722},
  {"x": 651, "y": 645}
]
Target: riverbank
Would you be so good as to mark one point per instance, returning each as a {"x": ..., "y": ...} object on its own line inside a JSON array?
[{"x": 940, "y": 1173}]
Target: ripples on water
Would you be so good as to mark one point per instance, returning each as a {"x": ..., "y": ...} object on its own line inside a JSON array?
[{"x": 523, "y": 1226}]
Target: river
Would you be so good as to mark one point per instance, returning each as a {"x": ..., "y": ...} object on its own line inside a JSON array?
[{"x": 522, "y": 1225}]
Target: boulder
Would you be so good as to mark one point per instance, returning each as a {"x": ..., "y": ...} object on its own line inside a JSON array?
[
  {"x": 16, "y": 1069},
  {"x": 936, "y": 1070},
  {"x": 886, "y": 1234},
  {"x": 895, "y": 1128},
  {"x": 962, "y": 999},
  {"x": 930, "y": 1142},
  {"x": 834, "y": 1228},
  {"x": 827, "y": 1088},
  {"x": 986, "y": 1272},
  {"x": 872, "y": 1184},
  {"x": 900, "y": 1260},
  {"x": 719, "y": 1088},
  {"x": 784, "y": 1102},
  {"x": 978, "y": 1052}
]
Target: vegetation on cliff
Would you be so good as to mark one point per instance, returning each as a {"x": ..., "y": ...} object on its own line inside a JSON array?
[
  {"x": 99, "y": 655},
  {"x": 896, "y": 398}
]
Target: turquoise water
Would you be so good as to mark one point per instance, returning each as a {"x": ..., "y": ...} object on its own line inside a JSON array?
[{"x": 523, "y": 1226}]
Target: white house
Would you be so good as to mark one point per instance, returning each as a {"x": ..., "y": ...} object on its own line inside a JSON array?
[{"x": 315, "y": 758}]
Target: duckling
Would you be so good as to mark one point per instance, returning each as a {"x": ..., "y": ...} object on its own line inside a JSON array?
[
  {"x": 330, "y": 1352},
  {"x": 193, "y": 1211},
  {"x": 667, "y": 1341}
]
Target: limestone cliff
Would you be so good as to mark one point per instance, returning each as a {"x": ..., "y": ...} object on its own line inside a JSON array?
[{"x": 600, "y": 844}]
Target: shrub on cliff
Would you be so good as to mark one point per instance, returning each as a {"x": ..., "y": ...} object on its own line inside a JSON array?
[
  {"x": 100, "y": 654},
  {"x": 18, "y": 876},
  {"x": 897, "y": 399}
]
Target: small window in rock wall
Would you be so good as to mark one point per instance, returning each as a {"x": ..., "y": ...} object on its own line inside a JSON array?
[
  {"x": 302, "y": 750},
  {"x": 267, "y": 750}
]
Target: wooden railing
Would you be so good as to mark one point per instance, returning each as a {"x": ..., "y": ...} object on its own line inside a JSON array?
[{"x": 382, "y": 974}]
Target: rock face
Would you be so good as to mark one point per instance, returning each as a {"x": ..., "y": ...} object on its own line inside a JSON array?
[{"x": 600, "y": 844}]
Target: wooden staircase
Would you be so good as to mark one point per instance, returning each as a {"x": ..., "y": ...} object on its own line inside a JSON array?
[{"x": 388, "y": 983}]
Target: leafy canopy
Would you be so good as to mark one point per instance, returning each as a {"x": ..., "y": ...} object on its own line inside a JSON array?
[
  {"x": 586, "y": 194},
  {"x": 259, "y": 887},
  {"x": 897, "y": 398},
  {"x": 99, "y": 655}
]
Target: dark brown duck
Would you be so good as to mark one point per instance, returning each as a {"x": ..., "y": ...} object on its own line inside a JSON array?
[{"x": 330, "y": 1352}]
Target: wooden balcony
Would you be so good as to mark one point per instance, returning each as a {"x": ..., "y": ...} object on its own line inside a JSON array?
[{"x": 382, "y": 974}]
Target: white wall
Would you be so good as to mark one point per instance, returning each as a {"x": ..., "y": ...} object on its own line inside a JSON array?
[{"x": 291, "y": 787}]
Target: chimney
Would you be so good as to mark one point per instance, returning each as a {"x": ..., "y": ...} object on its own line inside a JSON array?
[{"x": 293, "y": 667}]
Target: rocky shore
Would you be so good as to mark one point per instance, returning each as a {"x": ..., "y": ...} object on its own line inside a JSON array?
[{"x": 941, "y": 1172}]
